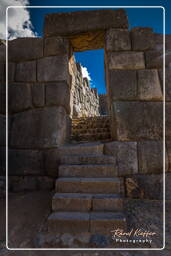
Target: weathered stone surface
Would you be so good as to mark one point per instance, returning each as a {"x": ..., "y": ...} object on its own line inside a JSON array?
[
  {"x": 168, "y": 147},
  {"x": 150, "y": 155},
  {"x": 68, "y": 222},
  {"x": 60, "y": 23},
  {"x": 123, "y": 84},
  {"x": 107, "y": 203},
  {"x": 25, "y": 162},
  {"x": 20, "y": 98},
  {"x": 103, "y": 104},
  {"x": 3, "y": 130},
  {"x": 11, "y": 71},
  {"x": 149, "y": 85},
  {"x": 56, "y": 46},
  {"x": 2, "y": 186},
  {"x": 125, "y": 154},
  {"x": 2, "y": 71},
  {"x": 48, "y": 128},
  {"x": 25, "y": 49},
  {"x": 2, "y": 53},
  {"x": 139, "y": 120},
  {"x": 154, "y": 59},
  {"x": 51, "y": 161},
  {"x": 118, "y": 40},
  {"x": 145, "y": 186},
  {"x": 168, "y": 120},
  {"x": 26, "y": 71},
  {"x": 45, "y": 183},
  {"x": 142, "y": 40},
  {"x": 168, "y": 186},
  {"x": 167, "y": 82},
  {"x": 58, "y": 94},
  {"x": 3, "y": 160},
  {"x": 126, "y": 60},
  {"x": 38, "y": 95},
  {"x": 54, "y": 68},
  {"x": 2, "y": 98}
]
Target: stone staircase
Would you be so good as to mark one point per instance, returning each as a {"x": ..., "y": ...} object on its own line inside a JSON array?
[
  {"x": 87, "y": 129},
  {"x": 88, "y": 200}
]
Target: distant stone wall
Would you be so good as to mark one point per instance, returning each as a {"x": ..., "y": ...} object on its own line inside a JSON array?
[
  {"x": 103, "y": 104},
  {"x": 84, "y": 100}
]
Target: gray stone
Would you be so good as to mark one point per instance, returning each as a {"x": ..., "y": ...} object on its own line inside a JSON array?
[
  {"x": 2, "y": 53},
  {"x": 19, "y": 97},
  {"x": 142, "y": 40},
  {"x": 168, "y": 186},
  {"x": 167, "y": 82},
  {"x": 56, "y": 46},
  {"x": 3, "y": 130},
  {"x": 168, "y": 146},
  {"x": 3, "y": 160},
  {"x": 150, "y": 155},
  {"x": 126, "y": 156},
  {"x": 48, "y": 128},
  {"x": 60, "y": 23},
  {"x": 145, "y": 186},
  {"x": 58, "y": 94},
  {"x": 54, "y": 68},
  {"x": 38, "y": 95},
  {"x": 51, "y": 161},
  {"x": 126, "y": 60},
  {"x": 2, "y": 72},
  {"x": 11, "y": 71},
  {"x": 168, "y": 120},
  {"x": 123, "y": 84},
  {"x": 149, "y": 85},
  {"x": 22, "y": 49},
  {"x": 138, "y": 120},
  {"x": 25, "y": 162},
  {"x": 26, "y": 71},
  {"x": 118, "y": 40},
  {"x": 45, "y": 183},
  {"x": 2, "y": 98},
  {"x": 154, "y": 59}
]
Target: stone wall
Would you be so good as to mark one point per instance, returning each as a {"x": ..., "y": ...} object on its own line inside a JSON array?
[
  {"x": 103, "y": 104},
  {"x": 84, "y": 100}
]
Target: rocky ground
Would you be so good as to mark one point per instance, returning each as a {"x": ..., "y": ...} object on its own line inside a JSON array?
[{"x": 28, "y": 212}]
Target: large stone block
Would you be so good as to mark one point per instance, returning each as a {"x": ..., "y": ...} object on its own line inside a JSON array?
[
  {"x": 52, "y": 161},
  {"x": 53, "y": 68},
  {"x": 154, "y": 59},
  {"x": 39, "y": 128},
  {"x": 56, "y": 46},
  {"x": 167, "y": 82},
  {"x": 149, "y": 85},
  {"x": 145, "y": 186},
  {"x": 2, "y": 98},
  {"x": 123, "y": 84},
  {"x": 19, "y": 97},
  {"x": 26, "y": 71},
  {"x": 3, "y": 130},
  {"x": 2, "y": 72},
  {"x": 150, "y": 156},
  {"x": 11, "y": 71},
  {"x": 142, "y": 40},
  {"x": 82, "y": 21},
  {"x": 22, "y": 49},
  {"x": 168, "y": 146},
  {"x": 126, "y": 156},
  {"x": 118, "y": 40},
  {"x": 126, "y": 60},
  {"x": 58, "y": 94},
  {"x": 168, "y": 120},
  {"x": 2, "y": 53},
  {"x": 138, "y": 120},
  {"x": 25, "y": 162},
  {"x": 38, "y": 94},
  {"x": 168, "y": 186}
]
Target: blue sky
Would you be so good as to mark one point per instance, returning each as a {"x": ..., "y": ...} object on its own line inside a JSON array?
[{"x": 94, "y": 60}]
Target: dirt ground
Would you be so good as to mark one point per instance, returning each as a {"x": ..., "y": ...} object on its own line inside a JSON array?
[{"x": 27, "y": 214}]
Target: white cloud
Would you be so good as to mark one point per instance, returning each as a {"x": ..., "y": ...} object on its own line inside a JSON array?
[
  {"x": 19, "y": 22},
  {"x": 85, "y": 73}
]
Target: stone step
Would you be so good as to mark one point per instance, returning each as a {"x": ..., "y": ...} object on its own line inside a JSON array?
[
  {"x": 90, "y": 130},
  {"x": 88, "y": 159},
  {"x": 86, "y": 149},
  {"x": 91, "y": 137},
  {"x": 74, "y": 222},
  {"x": 91, "y": 126},
  {"x": 88, "y": 185},
  {"x": 86, "y": 202},
  {"x": 87, "y": 171}
]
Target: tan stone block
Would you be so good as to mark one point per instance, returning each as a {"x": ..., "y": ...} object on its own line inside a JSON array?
[{"x": 107, "y": 203}]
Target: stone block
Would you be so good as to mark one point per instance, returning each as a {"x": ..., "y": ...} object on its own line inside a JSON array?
[
  {"x": 19, "y": 97},
  {"x": 123, "y": 84},
  {"x": 118, "y": 40},
  {"x": 3, "y": 130},
  {"x": 45, "y": 183},
  {"x": 22, "y": 183},
  {"x": 150, "y": 156},
  {"x": 25, "y": 162},
  {"x": 168, "y": 120},
  {"x": 54, "y": 68},
  {"x": 48, "y": 128},
  {"x": 83, "y": 21},
  {"x": 138, "y": 120},
  {"x": 126, "y": 60},
  {"x": 145, "y": 186},
  {"x": 22, "y": 49},
  {"x": 2, "y": 53},
  {"x": 168, "y": 186},
  {"x": 51, "y": 160},
  {"x": 154, "y": 59},
  {"x": 149, "y": 85},
  {"x": 168, "y": 42},
  {"x": 125, "y": 154},
  {"x": 26, "y": 71},
  {"x": 2, "y": 98},
  {"x": 167, "y": 82},
  {"x": 56, "y": 46},
  {"x": 142, "y": 40},
  {"x": 38, "y": 95},
  {"x": 107, "y": 203},
  {"x": 11, "y": 71},
  {"x": 2, "y": 72},
  {"x": 168, "y": 146},
  {"x": 58, "y": 94},
  {"x": 3, "y": 160}
]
